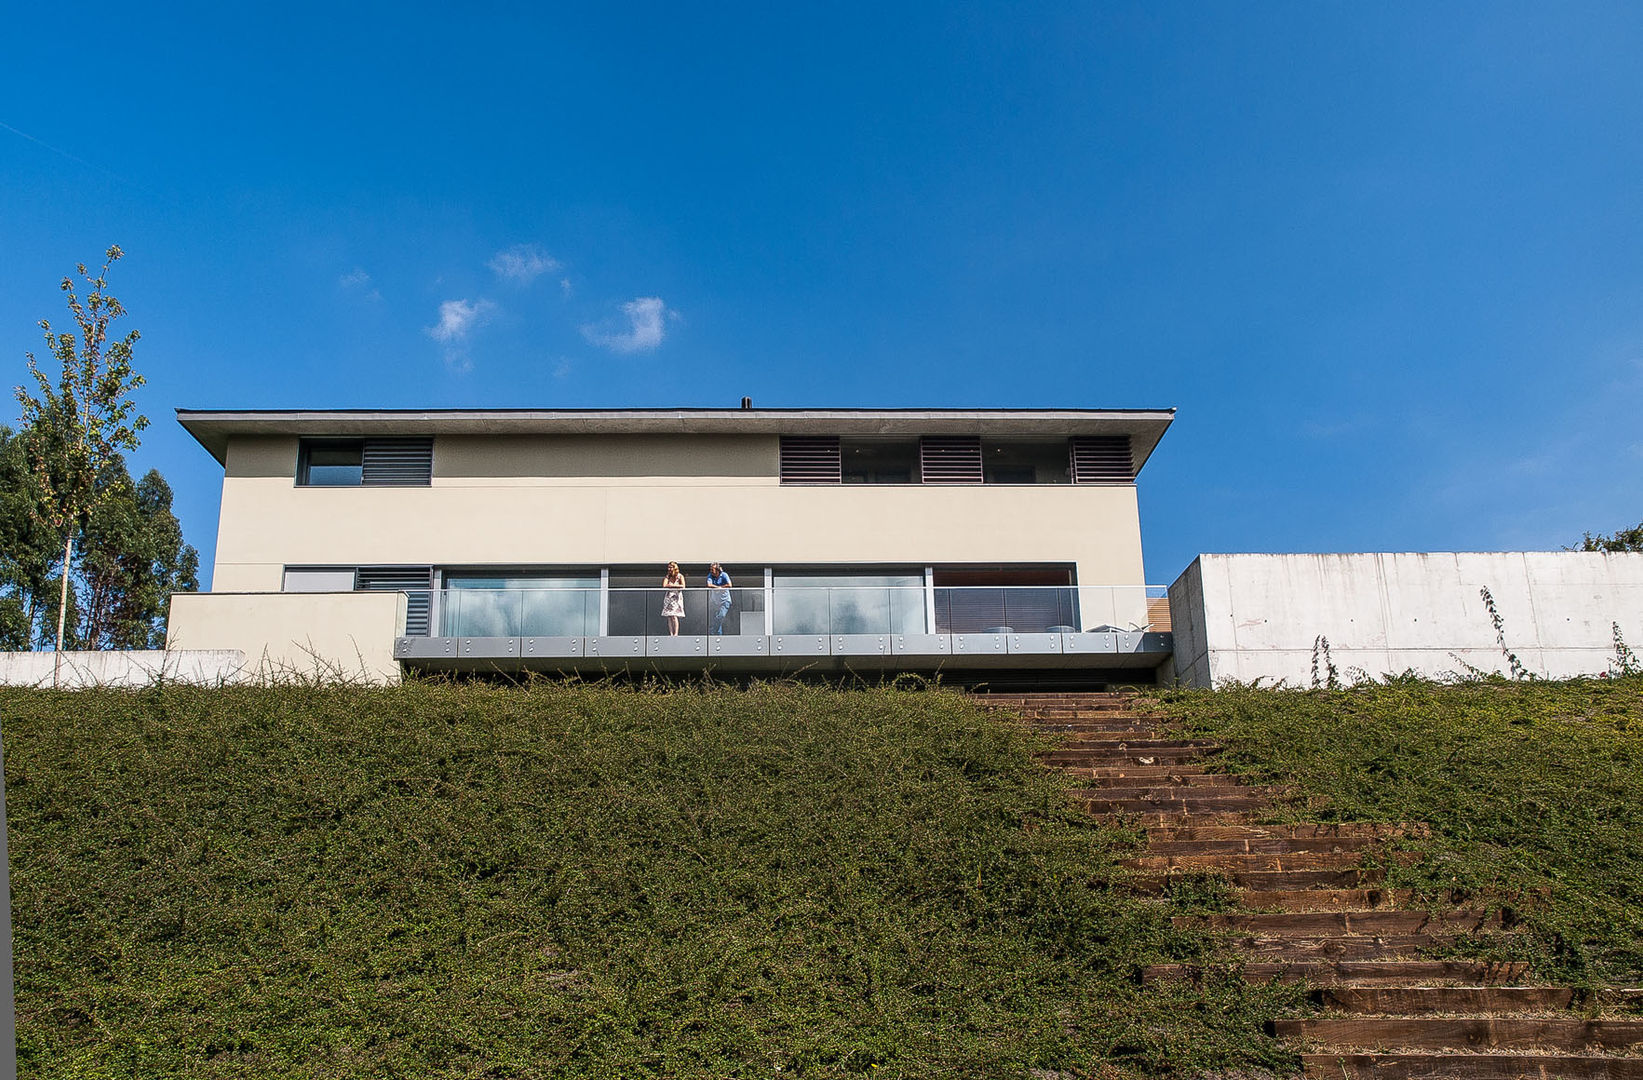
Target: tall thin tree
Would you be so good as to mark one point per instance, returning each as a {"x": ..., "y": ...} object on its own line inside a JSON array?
[{"x": 77, "y": 426}]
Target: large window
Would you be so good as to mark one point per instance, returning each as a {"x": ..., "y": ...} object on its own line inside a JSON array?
[
  {"x": 849, "y": 602},
  {"x": 331, "y": 463},
  {"x": 1025, "y": 461},
  {"x": 879, "y": 461},
  {"x": 636, "y": 598},
  {"x": 1005, "y": 599},
  {"x": 525, "y": 605},
  {"x": 397, "y": 462}
]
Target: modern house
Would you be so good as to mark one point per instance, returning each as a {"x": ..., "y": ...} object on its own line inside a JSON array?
[{"x": 904, "y": 539}]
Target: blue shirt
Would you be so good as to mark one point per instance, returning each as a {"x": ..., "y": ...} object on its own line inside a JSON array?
[{"x": 722, "y": 580}]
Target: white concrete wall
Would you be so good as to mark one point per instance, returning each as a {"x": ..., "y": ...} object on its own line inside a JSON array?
[
  {"x": 624, "y": 500},
  {"x": 1243, "y": 617},
  {"x": 338, "y": 636},
  {"x": 133, "y": 667}
]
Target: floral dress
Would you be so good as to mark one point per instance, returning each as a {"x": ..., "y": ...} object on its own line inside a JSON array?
[{"x": 673, "y": 600}]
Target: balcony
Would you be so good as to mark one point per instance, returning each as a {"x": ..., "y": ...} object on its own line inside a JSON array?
[{"x": 784, "y": 627}]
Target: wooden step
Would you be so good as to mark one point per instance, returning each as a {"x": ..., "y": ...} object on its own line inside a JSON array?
[
  {"x": 1082, "y": 712},
  {"x": 1261, "y": 845},
  {"x": 1200, "y": 789},
  {"x": 1201, "y": 804},
  {"x": 1177, "y": 818},
  {"x": 1102, "y": 740},
  {"x": 1340, "y": 924},
  {"x": 1287, "y": 832},
  {"x": 1197, "y": 781},
  {"x": 1325, "y": 899},
  {"x": 1248, "y": 861},
  {"x": 1471, "y": 1067},
  {"x": 1355, "y": 878},
  {"x": 1418, "y": 1000},
  {"x": 1360, "y": 973},
  {"x": 1140, "y": 772},
  {"x": 1114, "y": 757},
  {"x": 1098, "y": 727},
  {"x": 1466, "y": 1033},
  {"x": 1367, "y": 947},
  {"x": 1118, "y": 759}
]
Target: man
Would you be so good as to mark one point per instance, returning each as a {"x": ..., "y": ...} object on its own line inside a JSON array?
[{"x": 718, "y": 598}]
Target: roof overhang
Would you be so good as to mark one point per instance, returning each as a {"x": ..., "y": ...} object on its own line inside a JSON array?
[{"x": 214, "y": 427}]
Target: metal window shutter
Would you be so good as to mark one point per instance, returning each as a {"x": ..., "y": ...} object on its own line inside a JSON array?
[
  {"x": 1102, "y": 459},
  {"x": 950, "y": 459},
  {"x": 398, "y": 462},
  {"x": 415, "y": 581},
  {"x": 811, "y": 459}
]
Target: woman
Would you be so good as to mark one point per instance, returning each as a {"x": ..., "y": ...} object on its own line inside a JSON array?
[{"x": 673, "y": 598}]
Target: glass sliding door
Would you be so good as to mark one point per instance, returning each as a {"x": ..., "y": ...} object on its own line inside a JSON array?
[
  {"x": 522, "y": 605},
  {"x": 636, "y": 601},
  {"x": 849, "y": 602}
]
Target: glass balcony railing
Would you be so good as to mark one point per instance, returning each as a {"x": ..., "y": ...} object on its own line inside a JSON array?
[{"x": 824, "y": 610}]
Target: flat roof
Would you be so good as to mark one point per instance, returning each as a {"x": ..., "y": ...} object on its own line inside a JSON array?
[{"x": 214, "y": 427}]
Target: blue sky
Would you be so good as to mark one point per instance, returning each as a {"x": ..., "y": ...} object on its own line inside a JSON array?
[{"x": 1387, "y": 261}]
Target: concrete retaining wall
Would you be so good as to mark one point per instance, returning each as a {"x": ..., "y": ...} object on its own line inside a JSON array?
[
  {"x": 1244, "y": 617},
  {"x": 205, "y": 667},
  {"x": 346, "y": 636}
]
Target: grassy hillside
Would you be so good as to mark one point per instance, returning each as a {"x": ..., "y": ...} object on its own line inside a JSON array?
[
  {"x": 1534, "y": 791},
  {"x": 581, "y": 881}
]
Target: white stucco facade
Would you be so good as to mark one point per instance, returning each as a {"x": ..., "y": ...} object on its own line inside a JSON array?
[
  {"x": 521, "y": 500},
  {"x": 637, "y": 500},
  {"x": 1248, "y": 617}
]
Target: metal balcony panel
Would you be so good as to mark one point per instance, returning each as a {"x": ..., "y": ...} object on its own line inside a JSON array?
[
  {"x": 426, "y": 648},
  {"x": 480, "y": 647},
  {"x": 619, "y": 647},
  {"x": 799, "y": 645},
  {"x": 553, "y": 647},
  {"x": 860, "y": 644},
  {"x": 979, "y": 645},
  {"x": 738, "y": 645},
  {"x": 1089, "y": 643},
  {"x": 1034, "y": 644},
  {"x": 676, "y": 645},
  {"x": 921, "y": 644}
]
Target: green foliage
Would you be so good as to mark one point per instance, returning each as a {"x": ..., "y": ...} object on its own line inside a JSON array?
[
  {"x": 1534, "y": 791},
  {"x": 132, "y": 559},
  {"x": 77, "y": 426},
  {"x": 1620, "y": 540},
  {"x": 79, "y": 538},
  {"x": 129, "y": 557},
  {"x": 578, "y": 881},
  {"x": 29, "y": 550},
  {"x": 89, "y": 405}
]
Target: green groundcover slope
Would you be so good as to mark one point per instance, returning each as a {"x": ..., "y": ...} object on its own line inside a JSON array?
[
  {"x": 578, "y": 881},
  {"x": 1533, "y": 790}
]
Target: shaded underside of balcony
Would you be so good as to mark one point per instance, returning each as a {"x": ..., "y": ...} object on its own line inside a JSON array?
[{"x": 790, "y": 653}]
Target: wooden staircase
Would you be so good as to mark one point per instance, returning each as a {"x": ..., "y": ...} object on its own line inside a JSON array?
[{"x": 1315, "y": 913}]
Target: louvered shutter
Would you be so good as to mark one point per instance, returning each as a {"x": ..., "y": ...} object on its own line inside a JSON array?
[
  {"x": 1102, "y": 459},
  {"x": 811, "y": 459},
  {"x": 415, "y": 581},
  {"x": 398, "y": 462},
  {"x": 950, "y": 459}
]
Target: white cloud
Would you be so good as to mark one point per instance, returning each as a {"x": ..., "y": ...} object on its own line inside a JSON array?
[
  {"x": 523, "y": 264},
  {"x": 647, "y": 317},
  {"x": 357, "y": 280},
  {"x": 458, "y": 317}
]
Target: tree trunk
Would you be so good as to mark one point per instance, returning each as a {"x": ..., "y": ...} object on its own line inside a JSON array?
[{"x": 62, "y": 611}]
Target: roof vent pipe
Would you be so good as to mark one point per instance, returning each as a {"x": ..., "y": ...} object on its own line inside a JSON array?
[{"x": 747, "y": 403}]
